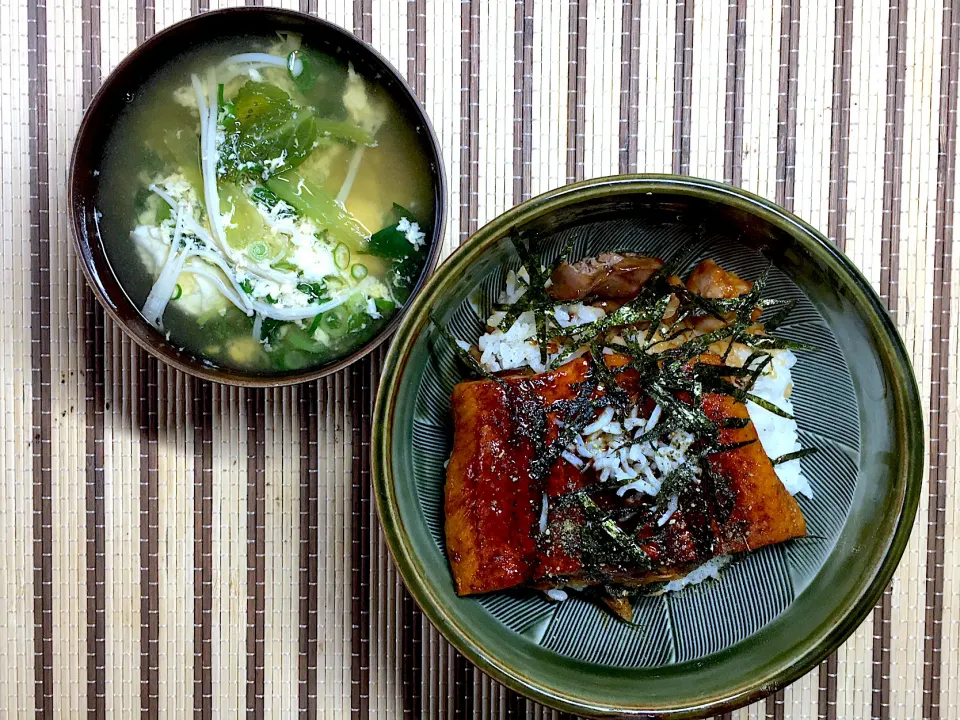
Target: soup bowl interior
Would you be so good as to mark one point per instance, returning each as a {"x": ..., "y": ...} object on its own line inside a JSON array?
[
  {"x": 776, "y": 612},
  {"x": 125, "y": 85}
]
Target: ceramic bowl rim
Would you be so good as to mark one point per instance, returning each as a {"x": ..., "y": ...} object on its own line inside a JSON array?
[
  {"x": 802, "y": 657},
  {"x": 163, "y": 350}
]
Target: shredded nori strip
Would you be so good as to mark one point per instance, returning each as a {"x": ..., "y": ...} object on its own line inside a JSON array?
[
  {"x": 796, "y": 455},
  {"x": 776, "y": 318},
  {"x": 463, "y": 355},
  {"x": 765, "y": 342},
  {"x": 622, "y": 543},
  {"x": 579, "y": 413},
  {"x": 535, "y": 298}
]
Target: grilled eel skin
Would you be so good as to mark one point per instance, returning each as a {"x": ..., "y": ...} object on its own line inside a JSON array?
[{"x": 493, "y": 504}]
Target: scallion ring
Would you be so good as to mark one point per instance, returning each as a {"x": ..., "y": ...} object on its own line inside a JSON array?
[
  {"x": 341, "y": 256},
  {"x": 358, "y": 271},
  {"x": 258, "y": 250}
]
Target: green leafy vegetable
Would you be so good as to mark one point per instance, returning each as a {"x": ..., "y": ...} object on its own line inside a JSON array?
[
  {"x": 320, "y": 79},
  {"x": 342, "y": 130},
  {"x": 391, "y": 243},
  {"x": 269, "y": 200},
  {"x": 270, "y": 330},
  {"x": 317, "y": 291},
  {"x": 314, "y": 202},
  {"x": 227, "y": 116},
  {"x": 266, "y": 132}
]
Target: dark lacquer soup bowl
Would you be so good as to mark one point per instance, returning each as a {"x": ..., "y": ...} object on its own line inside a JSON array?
[
  {"x": 774, "y": 613},
  {"x": 92, "y": 208}
]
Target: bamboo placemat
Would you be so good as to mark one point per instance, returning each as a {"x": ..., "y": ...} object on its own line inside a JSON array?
[{"x": 172, "y": 547}]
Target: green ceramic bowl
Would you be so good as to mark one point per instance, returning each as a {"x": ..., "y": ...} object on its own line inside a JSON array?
[{"x": 775, "y": 613}]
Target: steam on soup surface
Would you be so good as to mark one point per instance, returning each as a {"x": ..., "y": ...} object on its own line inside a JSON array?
[{"x": 323, "y": 198}]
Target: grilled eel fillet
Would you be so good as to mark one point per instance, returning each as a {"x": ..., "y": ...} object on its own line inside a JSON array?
[{"x": 493, "y": 505}]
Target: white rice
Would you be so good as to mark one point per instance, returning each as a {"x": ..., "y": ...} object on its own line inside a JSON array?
[
  {"x": 613, "y": 450},
  {"x": 778, "y": 435},
  {"x": 556, "y": 594},
  {"x": 710, "y": 570},
  {"x": 518, "y": 347},
  {"x": 515, "y": 348},
  {"x": 514, "y": 287},
  {"x": 671, "y": 509}
]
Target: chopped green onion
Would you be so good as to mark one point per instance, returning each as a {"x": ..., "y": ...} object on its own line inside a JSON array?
[
  {"x": 335, "y": 322},
  {"x": 321, "y": 80},
  {"x": 177, "y": 292},
  {"x": 294, "y": 65},
  {"x": 334, "y": 283},
  {"x": 341, "y": 256},
  {"x": 258, "y": 250},
  {"x": 357, "y": 303},
  {"x": 301, "y": 342},
  {"x": 358, "y": 323},
  {"x": 358, "y": 271}
]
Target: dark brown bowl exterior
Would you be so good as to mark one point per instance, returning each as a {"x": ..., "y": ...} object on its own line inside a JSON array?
[{"x": 122, "y": 86}]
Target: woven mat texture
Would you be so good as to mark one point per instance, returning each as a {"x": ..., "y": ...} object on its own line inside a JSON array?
[{"x": 173, "y": 548}]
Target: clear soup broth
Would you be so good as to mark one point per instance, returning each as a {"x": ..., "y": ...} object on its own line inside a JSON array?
[{"x": 323, "y": 194}]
